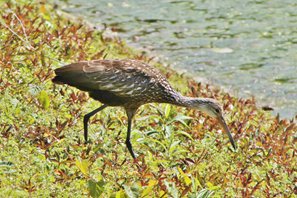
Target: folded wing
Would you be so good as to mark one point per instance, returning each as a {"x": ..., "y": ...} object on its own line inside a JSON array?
[{"x": 122, "y": 78}]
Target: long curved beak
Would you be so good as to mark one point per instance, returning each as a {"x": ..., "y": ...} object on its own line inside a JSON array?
[{"x": 226, "y": 129}]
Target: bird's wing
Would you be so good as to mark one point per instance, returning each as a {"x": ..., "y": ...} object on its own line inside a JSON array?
[{"x": 124, "y": 78}]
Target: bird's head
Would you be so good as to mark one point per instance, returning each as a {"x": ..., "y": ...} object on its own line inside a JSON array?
[
  {"x": 209, "y": 106},
  {"x": 213, "y": 109}
]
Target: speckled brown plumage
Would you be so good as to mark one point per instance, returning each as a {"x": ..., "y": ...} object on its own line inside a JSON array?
[
  {"x": 130, "y": 84},
  {"x": 127, "y": 83}
]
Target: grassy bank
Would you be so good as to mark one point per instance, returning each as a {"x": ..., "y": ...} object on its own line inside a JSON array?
[{"x": 181, "y": 152}]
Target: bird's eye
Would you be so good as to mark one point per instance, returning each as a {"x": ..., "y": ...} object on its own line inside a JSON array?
[{"x": 217, "y": 110}]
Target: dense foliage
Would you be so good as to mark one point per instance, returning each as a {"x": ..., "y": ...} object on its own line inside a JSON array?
[{"x": 182, "y": 153}]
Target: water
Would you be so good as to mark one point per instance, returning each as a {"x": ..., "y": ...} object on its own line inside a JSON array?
[{"x": 247, "y": 47}]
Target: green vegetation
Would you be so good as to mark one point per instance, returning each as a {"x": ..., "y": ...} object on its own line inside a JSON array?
[{"x": 181, "y": 152}]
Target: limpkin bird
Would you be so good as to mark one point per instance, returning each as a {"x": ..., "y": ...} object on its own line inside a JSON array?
[{"x": 130, "y": 84}]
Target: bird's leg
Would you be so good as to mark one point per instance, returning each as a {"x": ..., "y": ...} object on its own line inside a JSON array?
[
  {"x": 86, "y": 119},
  {"x": 130, "y": 114},
  {"x": 128, "y": 143}
]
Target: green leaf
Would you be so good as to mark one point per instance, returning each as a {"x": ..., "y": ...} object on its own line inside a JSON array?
[
  {"x": 211, "y": 186},
  {"x": 167, "y": 110},
  {"x": 180, "y": 118},
  {"x": 149, "y": 189},
  {"x": 120, "y": 194},
  {"x": 83, "y": 165},
  {"x": 3, "y": 163},
  {"x": 184, "y": 134},
  {"x": 160, "y": 143},
  {"x": 187, "y": 180},
  {"x": 171, "y": 188},
  {"x": 96, "y": 188},
  {"x": 151, "y": 132},
  {"x": 204, "y": 193},
  {"x": 129, "y": 192},
  {"x": 44, "y": 99},
  {"x": 173, "y": 146}
]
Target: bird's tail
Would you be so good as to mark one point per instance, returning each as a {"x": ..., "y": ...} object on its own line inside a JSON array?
[
  {"x": 65, "y": 74},
  {"x": 58, "y": 80},
  {"x": 73, "y": 75}
]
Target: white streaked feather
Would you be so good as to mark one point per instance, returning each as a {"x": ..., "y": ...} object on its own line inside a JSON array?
[
  {"x": 130, "y": 92},
  {"x": 108, "y": 86}
]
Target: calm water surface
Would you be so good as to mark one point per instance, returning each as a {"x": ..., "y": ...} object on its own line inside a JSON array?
[{"x": 247, "y": 47}]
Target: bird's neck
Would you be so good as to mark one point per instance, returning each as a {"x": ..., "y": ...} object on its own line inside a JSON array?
[
  {"x": 186, "y": 101},
  {"x": 178, "y": 99}
]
